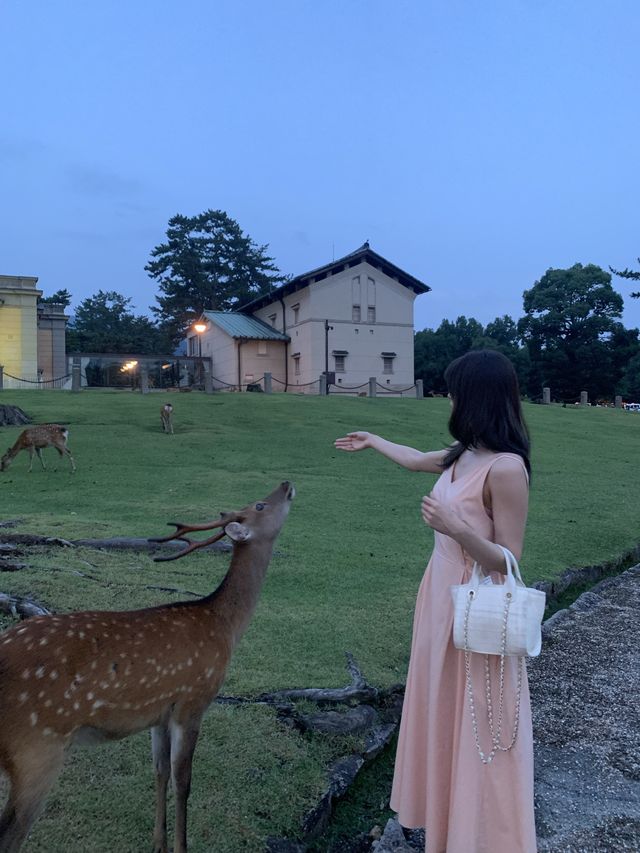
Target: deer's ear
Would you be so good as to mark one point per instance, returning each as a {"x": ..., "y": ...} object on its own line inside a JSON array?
[{"x": 238, "y": 532}]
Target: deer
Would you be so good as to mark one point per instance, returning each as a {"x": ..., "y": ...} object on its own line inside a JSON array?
[
  {"x": 95, "y": 676},
  {"x": 165, "y": 418},
  {"x": 34, "y": 439}
]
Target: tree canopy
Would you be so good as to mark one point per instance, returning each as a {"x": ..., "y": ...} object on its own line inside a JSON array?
[
  {"x": 633, "y": 275},
  {"x": 60, "y": 297},
  {"x": 570, "y": 317},
  {"x": 207, "y": 262},
  {"x": 105, "y": 323}
]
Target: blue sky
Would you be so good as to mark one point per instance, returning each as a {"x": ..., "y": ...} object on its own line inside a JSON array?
[{"x": 474, "y": 144}]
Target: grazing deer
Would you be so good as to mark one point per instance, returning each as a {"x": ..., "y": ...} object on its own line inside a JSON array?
[
  {"x": 35, "y": 439},
  {"x": 95, "y": 676},
  {"x": 165, "y": 417}
]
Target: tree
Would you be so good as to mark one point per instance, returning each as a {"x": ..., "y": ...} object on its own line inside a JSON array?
[
  {"x": 633, "y": 275},
  {"x": 60, "y": 297},
  {"x": 434, "y": 350},
  {"x": 207, "y": 263},
  {"x": 105, "y": 323},
  {"x": 629, "y": 385},
  {"x": 570, "y": 318}
]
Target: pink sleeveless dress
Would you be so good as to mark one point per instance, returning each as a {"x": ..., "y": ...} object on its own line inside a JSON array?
[{"x": 440, "y": 782}]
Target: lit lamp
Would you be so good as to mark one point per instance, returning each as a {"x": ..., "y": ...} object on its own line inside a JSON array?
[{"x": 200, "y": 328}]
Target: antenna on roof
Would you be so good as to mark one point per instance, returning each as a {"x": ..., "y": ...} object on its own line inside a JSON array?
[{"x": 333, "y": 251}]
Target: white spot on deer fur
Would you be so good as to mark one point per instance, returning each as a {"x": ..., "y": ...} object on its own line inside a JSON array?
[
  {"x": 71, "y": 633},
  {"x": 48, "y": 703},
  {"x": 21, "y": 630},
  {"x": 26, "y": 673},
  {"x": 40, "y": 671},
  {"x": 123, "y": 654},
  {"x": 23, "y": 697},
  {"x": 143, "y": 679},
  {"x": 47, "y": 731},
  {"x": 41, "y": 694},
  {"x": 53, "y": 674},
  {"x": 104, "y": 685},
  {"x": 189, "y": 661},
  {"x": 81, "y": 634},
  {"x": 90, "y": 696},
  {"x": 44, "y": 641},
  {"x": 34, "y": 718},
  {"x": 94, "y": 664},
  {"x": 6, "y": 642},
  {"x": 64, "y": 659},
  {"x": 67, "y": 694},
  {"x": 76, "y": 706},
  {"x": 98, "y": 704},
  {"x": 60, "y": 711}
]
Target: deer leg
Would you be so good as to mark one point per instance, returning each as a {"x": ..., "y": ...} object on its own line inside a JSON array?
[
  {"x": 184, "y": 737},
  {"x": 31, "y": 781},
  {"x": 40, "y": 457},
  {"x": 161, "y": 751},
  {"x": 73, "y": 464}
]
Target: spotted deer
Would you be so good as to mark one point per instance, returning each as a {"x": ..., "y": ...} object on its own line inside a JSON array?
[
  {"x": 96, "y": 676},
  {"x": 34, "y": 439},
  {"x": 166, "y": 418}
]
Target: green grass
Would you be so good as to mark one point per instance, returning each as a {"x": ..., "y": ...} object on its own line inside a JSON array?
[{"x": 347, "y": 567}]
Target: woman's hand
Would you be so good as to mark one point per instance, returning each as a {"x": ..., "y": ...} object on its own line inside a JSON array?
[
  {"x": 354, "y": 441},
  {"x": 441, "y": 517}
]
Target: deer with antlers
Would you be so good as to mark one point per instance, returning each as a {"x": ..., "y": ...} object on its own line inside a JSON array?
[
  {"x": 95, "y": 676},
  {"x": 34, "y": 439}
]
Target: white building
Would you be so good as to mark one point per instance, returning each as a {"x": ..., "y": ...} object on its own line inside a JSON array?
[{"x": 353, "y": 317}]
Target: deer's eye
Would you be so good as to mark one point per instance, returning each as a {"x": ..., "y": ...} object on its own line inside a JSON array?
[{"x": 260, "y": 507}]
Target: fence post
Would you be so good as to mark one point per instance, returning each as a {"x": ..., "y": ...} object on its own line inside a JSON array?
[
  {"x": 1, "y": 376},
  {"x": 419, "y": 389},
  {"x": 546, "y": 396},
  {"x": 618, "y": 397},
  {"x": 75, "y": 375},
  {"x": 267, "y": 383},
  {"x": 584, "y": 398},
  {"x": 372, "y": 386},
  {"x": 322, "y": 391},
  {"x": 144, "y": 379}
]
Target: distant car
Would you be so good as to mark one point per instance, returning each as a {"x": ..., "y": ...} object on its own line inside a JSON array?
[{"x": 632, "y": 407}]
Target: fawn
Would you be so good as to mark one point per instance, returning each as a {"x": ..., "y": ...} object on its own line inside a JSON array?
[
  {"x": 94, "y": 676},
  {"x": 165, "y": 418},
  {"x": 35, "y": 439}
]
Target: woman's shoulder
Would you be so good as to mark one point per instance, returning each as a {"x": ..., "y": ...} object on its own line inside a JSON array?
[{"x": 507, "y": 466}]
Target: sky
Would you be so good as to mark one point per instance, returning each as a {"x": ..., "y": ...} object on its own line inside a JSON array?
[{"x": 474, "y": 144}]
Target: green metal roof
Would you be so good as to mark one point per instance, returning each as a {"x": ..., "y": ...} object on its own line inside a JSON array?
[{"x": 241, "y": 326}]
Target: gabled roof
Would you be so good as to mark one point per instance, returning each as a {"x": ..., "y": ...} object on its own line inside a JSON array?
[
  {"x": 364, "y": 253},
  {"x": 243, "y": 327}
]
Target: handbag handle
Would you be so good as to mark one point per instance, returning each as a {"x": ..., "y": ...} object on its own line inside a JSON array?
[{"x": 513, "y": 575}]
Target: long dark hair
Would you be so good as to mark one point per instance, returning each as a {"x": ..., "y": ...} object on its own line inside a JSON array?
[{"x": 486, "y": 406}]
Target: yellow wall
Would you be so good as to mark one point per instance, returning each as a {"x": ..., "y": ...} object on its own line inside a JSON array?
[{"x": 19, "y": 326}]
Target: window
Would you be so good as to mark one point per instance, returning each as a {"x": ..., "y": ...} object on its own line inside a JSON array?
[
  {"x": 355, "y": 289},
  {"x": 262, "y": 348},
  {"x": 272, "y": 319},
  {"x": 339, "y": 363},
  {"x": 296, "y": 363},
  {"x": 371, "y": 314},
  {"x": 296, "y": 313},
  {"x": 355, "y": 314},
  {"x": 193, "y": 345},
  {"x": 387, "y": 361},
  {"x": 371, "y": 292}
]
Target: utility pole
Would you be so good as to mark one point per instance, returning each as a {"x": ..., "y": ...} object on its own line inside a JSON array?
[{"x": 327, "y": 329}]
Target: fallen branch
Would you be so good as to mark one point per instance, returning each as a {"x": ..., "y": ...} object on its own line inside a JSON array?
[
  {"x": 115, "y": 542},
  {"x": 358, "y": 691}
]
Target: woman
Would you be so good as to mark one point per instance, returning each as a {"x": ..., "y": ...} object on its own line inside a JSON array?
[{"x": 478, "y": 503}]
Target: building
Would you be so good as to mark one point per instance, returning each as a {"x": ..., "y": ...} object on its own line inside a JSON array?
[
  {"x": 352, "y": 317},
  {"x": 32, "y": 335}
]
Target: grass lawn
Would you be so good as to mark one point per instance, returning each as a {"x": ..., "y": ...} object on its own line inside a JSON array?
[{"x": 344, "y": 577}]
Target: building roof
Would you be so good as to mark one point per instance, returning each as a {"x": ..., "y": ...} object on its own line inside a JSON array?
[
  {"x": 364, "y": 254},
  {"x": 244, "y": 327}
]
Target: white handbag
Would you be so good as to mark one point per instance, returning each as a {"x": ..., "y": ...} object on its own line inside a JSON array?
[{"x": 497, "y": 619}]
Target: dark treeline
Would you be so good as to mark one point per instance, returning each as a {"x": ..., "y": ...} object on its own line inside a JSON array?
[{"x": 570, "y": 339}]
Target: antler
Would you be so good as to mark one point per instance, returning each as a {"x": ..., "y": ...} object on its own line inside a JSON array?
[{"x": 181, "y": 530}]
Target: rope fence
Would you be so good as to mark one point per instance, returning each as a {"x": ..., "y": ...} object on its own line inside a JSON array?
[{"x": 58, "y": 382}]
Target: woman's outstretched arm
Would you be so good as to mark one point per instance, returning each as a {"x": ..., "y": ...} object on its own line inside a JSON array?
[{"x": 408, "y": 457}]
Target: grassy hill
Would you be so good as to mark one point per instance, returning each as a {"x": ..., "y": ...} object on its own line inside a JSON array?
[{"x": 345, "y": 575}]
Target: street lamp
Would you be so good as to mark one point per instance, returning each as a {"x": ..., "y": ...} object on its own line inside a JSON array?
[{"x": 200, "y": 328}]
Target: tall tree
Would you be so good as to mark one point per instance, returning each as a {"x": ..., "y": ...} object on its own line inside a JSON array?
[
  {"x": 570, "y": 317},
  {"x": 633, "y": 275},
  {"x": 105, "y": 323},
  {"x": 60, "y": 297},
  {"x": 434, "y": 350},
  {"x": 207, "y": 262}
]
